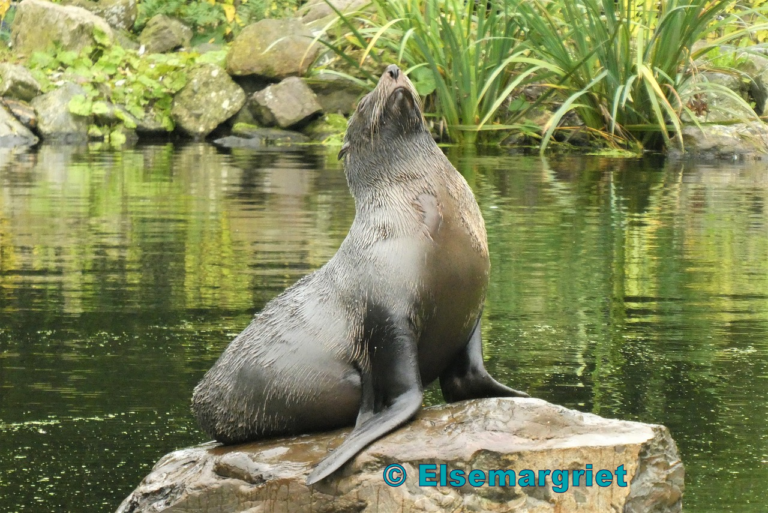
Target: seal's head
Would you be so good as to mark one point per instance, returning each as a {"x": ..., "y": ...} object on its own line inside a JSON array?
[{"x": 391, "y": 110}]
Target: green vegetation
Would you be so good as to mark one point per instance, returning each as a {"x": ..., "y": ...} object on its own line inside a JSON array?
[{"x": 625, "y": 67}]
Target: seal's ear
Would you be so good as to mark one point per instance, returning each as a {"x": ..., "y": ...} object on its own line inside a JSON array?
[{"x": 343, "y": 151}]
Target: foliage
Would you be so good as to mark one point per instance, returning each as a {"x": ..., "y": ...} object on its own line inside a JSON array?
[
  {"x": 468, "y": 53},
  {"x": 141, "y": 87},
  {"x": 214, "y": 19},
  {"x": 624, "y": 66}
]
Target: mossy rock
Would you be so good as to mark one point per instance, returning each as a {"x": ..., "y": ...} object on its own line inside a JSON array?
[{"x": 328, "y": 129}]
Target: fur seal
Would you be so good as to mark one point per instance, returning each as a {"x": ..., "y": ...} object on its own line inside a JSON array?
[{"x": 397, "y": 307}]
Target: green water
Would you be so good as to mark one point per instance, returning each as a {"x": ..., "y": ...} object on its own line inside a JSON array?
[{"x": 635, "y": 289}]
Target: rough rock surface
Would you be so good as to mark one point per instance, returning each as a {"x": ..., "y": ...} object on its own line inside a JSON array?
[
  {"x": 317, "y": 9},
  {"x": 712, "y": 142},
  {"x": 289, "y": 103},
  {"x": 39, "y": 25},
  {"x": 12, "y": 132},
  {"x": 336, "y": 94},
  {"x": 54, "y": 121},
  {"x": 164, "y": 34},
  {"x": 209, "y": 99},
  {"x": 513, "y": 434},
  {"x": 120, "y": 14},
  {"x": 17, "y": 82},
  {"x": 22, "y": 111},
  {"x": 721, "y": 107},
  {"x": 272, "y": 49}
]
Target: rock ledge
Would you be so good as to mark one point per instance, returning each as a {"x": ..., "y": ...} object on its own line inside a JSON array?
[{"x": 484, "y": 434}]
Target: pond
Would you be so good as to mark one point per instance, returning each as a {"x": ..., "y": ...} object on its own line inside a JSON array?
[{"x": 631, "y": 288}]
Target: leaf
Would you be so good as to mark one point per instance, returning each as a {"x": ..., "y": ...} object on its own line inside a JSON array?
[
  {"x": 424, "y": 81},
  {"x": 100, "y": 108},
  {"x": 125, "y": 118},
  {"x": 101, "y": 37},
  {"x": 80, "y": 105},
  {"x": 229, "y": 12},
  {"x": 117, "y": 137}
]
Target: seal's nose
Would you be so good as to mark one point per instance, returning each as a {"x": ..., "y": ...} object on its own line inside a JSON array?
[{"x": 393, "y": 71}]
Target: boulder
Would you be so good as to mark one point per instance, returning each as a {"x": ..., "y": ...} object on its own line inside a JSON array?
[
  {"x": 164, "y": 34},
  {"x": 732, "y": 142},
  {"x": 490, "y": 434},
  {"x": 714, "y": 106},
  {"x": 250, "y": 136},
  {"x": 22, "y": 111},
  {"x": 54, "y": 121},
  {"x": 336, "y": 94},
  {"x": 273, "y": 49},
  {"x": 287, "y": 104},
  {"x": 318, "y": 9},
  {"x": 12, "y": 132},
  {"x": 209, "y": 99},
  {"x": 39, "y": 25},
  {"x": 17, "y": 82},
  {"x": 120, "y": 14}
]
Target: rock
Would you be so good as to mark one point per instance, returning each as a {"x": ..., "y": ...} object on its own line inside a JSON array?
[
  {"x": 39, "y": 25},
  {"x": 17, "y": 82},
  {"x": 127, "y": 40},
  {"x": 250, "y": 136},
  {"x": 290, "y": 49},
  {"x": 328, "y": 129},
  {"x": 289, "y": 103},
  {"x": 711, "y": 142},
  {"x": 718, "y": 107},
  {"x": 164, "y": 34},
  {"x": 209, "y": 99},
  {"x": 336, "y": 94},
  {"x": 502, "y": 434},
  {"x": 120, "y": 14},
  {"x": 12, "y": 132},
  {"x": 54, "y": 121},
  {"x": 318, "y": 9},
  {"x": 22, "y": 111}
]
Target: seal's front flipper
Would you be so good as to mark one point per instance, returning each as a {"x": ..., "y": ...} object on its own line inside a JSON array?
[
  {"x": 466, "y": 377},
  {"x": 391, "y": 390}
]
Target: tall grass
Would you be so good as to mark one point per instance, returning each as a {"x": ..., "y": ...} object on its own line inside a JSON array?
[
  {"x": 626, "y": 67},
  {"x": 469, "y": 54}
]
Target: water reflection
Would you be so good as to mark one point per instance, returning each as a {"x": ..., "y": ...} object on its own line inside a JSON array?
[{"x": 630, "y": 288}]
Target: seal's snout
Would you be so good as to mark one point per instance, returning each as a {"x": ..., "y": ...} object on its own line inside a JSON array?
[{"x": 393, "y": 71}]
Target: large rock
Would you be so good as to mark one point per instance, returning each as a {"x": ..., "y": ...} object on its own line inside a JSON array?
[
  {"x": 336, "y": 94},
  {"x": 287, "y": 104},
  {"x": 272, "y": 49},
  {"x": 209, "y": 99},
  {"x": 17, "y": 82},
  {"x": 713, "y": 142},
  {"x": 120, "y": 14},
  {"x": 716, "y": 106},
  {"x": 318, "y": 9},
  {"x": 12, "y": 132},
  {"x": 39, "y": 25},
  {"x": 54, "y": 121},
  {"x": 249, "y": 136},
  {"x": 164, "y": 34},
  {"x": 490, "y": 434}
]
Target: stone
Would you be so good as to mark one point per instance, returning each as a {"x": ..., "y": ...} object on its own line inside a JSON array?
[
  {"x": 250, "y": 136},
  {"x": 327, "y": 129},
  {"x": 164, "y": 34},
  {"x": 273, "y": 49},
  {"x": 17, "y": 82},
  {"x": 54, "y": 121},
  {"x": 12, "y": 132},
  {"x": 741, "y": 141},
  {"x": 39, "y": 25},
  {"x": 22, "y": 111},
  {"x": 336, "y": 94},
  {"x": 504, "y": 433},
  {"x": 714, "y": 106},
  {"x": 318, "y": 9},
  {"x": 120, "y": 14},
  {"x": 287, "y": 104},
  {"x": 208, "y": 100}
]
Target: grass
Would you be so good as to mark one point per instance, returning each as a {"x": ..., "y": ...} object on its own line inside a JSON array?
[{"x": 626, "y": 67}]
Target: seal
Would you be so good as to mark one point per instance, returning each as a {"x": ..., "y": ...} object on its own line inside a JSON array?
[{"x": 397, "y": 307}]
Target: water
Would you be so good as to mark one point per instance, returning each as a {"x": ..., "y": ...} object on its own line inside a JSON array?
[{"x": 635, "y": 289}]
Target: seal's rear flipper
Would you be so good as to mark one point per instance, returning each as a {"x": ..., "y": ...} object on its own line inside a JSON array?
[
  {"x": 391, "y": 389},
  {"x": 466, "y": 377}
]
